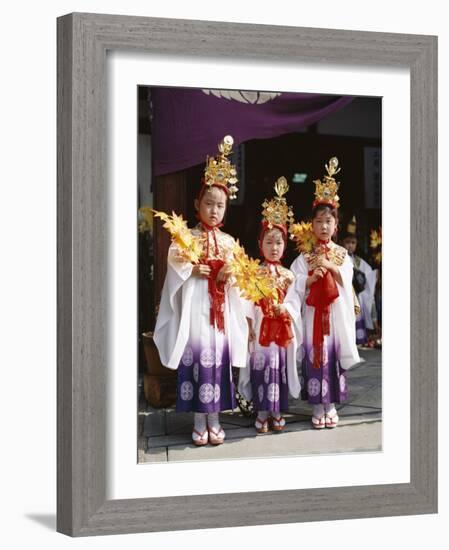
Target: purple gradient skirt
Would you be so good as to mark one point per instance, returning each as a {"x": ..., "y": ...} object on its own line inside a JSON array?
[
  {"x": 204, "y": 379},
  {"x": 327, "y": 384},
  {"x": 269, "y": 379},
  {"x": 360, "y": 330}
]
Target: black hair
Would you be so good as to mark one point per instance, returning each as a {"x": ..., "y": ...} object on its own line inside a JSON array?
[
  {"x": 347, "y": 235},
  {"x": 322, "y": 207}
]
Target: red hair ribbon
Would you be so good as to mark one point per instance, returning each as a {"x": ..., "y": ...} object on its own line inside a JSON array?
[
  {"x": 327, "y": 203},
  {"x": 205, "y": 186}
]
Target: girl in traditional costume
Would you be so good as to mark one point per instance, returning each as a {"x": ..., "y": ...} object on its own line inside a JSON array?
[
  {"x": 364, "y": 285},
  {"x": 201, "y": 328},
  {"x": 324, "y": 285},
  {"x": 275, "y": 331}
]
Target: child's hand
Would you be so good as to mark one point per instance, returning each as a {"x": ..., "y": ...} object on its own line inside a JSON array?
[
  {"x": 224, "y": 274},
  {"x": 323, "y": 262},
  {"x": 279, "y": 309},
  {"x": 201, "y": 270},
  {"x": 251, "y": 338},
  {"x": 251, "y": 335},
  {"x": 319, "y": 273},
  {"x": 327, "y": 265}
]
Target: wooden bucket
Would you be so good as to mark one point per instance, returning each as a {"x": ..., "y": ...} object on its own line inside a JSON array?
[{"x": 159, "y": 382}]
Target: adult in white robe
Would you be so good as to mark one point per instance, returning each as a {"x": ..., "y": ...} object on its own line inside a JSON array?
[{"x": 366, "y": 297}]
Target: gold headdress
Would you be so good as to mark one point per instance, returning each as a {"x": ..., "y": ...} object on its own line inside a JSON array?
[
  {"x": 351, "y": 228},
  {"x": 326, "y": 190},
  {"x": 276, "y": 212},
  {"x": 220, "y": 171}
]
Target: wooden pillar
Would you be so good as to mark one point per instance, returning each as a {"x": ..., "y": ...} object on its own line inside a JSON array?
[{"x": 169, "y": 193}]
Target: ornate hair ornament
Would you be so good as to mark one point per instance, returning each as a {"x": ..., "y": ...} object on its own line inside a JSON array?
[
  {"x": 219, "y": 170},
  {"x": 276, "y": 211},
  {"x": 376, "y": 245},
  {"x": 326, "y": 190},
  {"x": 351, "y": 228}
]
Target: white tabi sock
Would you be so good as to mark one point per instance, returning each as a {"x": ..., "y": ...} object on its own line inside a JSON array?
[
  {"x": 199, "y": 422},
  {"x": 260, "y": 419},
  {"x": 318, "y": 410},
  {"x": 213, "y": 421},
  {"x": 330, "y": 408}
]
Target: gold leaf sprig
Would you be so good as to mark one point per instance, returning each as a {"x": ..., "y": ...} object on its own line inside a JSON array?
[
  {"x": 303, "y": 236},
  {"x": 251, "y": 278},
  {"x": 376, "y": 245},
  {"x": 376, "y": 238},
  {"x": 145, "y": 219},
  {"x": 189, "y": 246}
]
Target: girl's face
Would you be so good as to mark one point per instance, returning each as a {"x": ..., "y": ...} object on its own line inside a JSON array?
[
  {"x": 324, "y": 225},
  {"x": 273, "y": 245},
  {"x": 350, "y": 243},
  {"x": 212, "y": 206}
]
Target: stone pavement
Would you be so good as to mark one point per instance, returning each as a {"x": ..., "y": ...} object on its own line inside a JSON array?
[{"x": 165, "y": 435}]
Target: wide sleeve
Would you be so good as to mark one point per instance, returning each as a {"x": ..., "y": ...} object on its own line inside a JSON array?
[
  {"x": 294, "y": 308},
  {"x": 237, "y": 328},
  {"x": 244, "y": 380},
  {"x": 173, "y": 321},
  {"x": 344, "y": 317},
  {"x": 300, "y": 270},
  {"x": 294, "y": 302},
  {"x": 249, "y": 309},
  {"x": 293, "y": 305},
  {"x": 236, "y": 313},
  {"x": 296, "y": 293},
  {"x": 347, "y": 272}
]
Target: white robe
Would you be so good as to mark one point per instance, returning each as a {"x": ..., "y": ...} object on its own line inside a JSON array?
[
  {"x": 342, "y": 316},
  {"x": 366, "y": 297},
  {"x": 184, "y": 315}
]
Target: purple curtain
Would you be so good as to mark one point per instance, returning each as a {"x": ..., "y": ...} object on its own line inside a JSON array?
[{"x": 189, "y": 123}]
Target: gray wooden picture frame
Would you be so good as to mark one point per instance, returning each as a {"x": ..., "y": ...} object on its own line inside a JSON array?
[{"x": 83, "y": 40}]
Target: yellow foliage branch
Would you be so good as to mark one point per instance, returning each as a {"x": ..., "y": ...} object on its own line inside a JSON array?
[
  {"x": 189, "y": 246},
  {"x": 376, "y": 245},
  {"x": 303, "y": 236},
  {"x": 252, "y": 279}
]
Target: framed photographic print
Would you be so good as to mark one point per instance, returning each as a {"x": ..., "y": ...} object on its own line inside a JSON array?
[
  {"x": 276, "y": 135},
  {"x": 118, "y": 79}
]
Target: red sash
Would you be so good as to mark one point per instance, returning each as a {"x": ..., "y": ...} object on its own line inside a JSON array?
[
  {"x": 322, "y": 293},
  {"x": 216, "y": 290},
  {"x": 216, "y": 294},
  {"x": 274, "y": 328}
]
